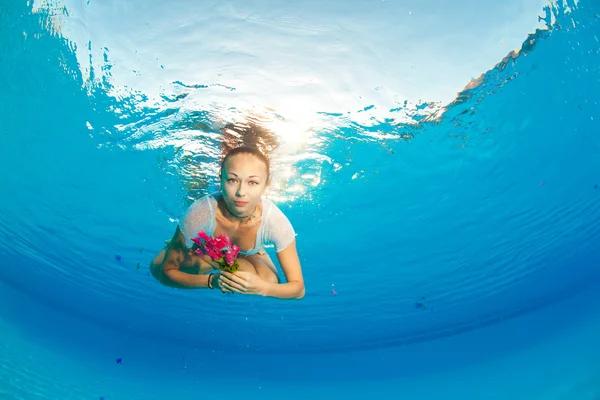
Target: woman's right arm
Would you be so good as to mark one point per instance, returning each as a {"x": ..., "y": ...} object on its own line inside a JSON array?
[{"x": 178, "y": 254}]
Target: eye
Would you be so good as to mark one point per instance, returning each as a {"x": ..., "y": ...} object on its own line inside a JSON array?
[
  {"x": 253, "y": 183},
  {"x": 231, "y": 180}
]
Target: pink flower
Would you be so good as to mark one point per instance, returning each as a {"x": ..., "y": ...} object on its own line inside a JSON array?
[
  {"x": 231, "y": 254},
  {"x": 204, "y": 236},
  {"x": 214, "y": 254},
  {"x": 222, "y": 242},
  {"x": 227, "y": 241},
  {"x": 219, "y": 249}
]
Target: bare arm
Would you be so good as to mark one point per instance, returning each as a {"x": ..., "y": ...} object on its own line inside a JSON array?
[
  {"x": 177, "y": 255},
  {"x": 290, "y": 264}
]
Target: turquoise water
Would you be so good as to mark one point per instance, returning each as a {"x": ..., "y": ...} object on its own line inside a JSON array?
[{"x": 446, "y": 186}]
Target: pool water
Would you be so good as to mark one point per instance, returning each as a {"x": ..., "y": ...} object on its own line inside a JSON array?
[{"x": 440, "y": 165}]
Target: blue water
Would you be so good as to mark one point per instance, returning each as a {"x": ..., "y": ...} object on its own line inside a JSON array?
[{"x": 440, "y": 164}]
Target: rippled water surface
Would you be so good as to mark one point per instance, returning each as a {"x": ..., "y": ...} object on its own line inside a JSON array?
[{"x": 440, "y": 163}]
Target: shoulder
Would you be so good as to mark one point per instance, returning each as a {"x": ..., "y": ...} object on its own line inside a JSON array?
[
  {"x": 278, "y": 228},
  {"x": 272, "y": 212},
  {"x": 206, "y": 202},
  {"x": 199, "y": 216},
  {"x": 201, "y": 210}
]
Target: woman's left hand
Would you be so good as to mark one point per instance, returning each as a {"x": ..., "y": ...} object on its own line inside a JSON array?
[{"x": 242, "y": 282}]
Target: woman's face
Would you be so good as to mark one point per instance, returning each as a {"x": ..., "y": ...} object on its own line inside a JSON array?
[{"x": 243, "y": 182}]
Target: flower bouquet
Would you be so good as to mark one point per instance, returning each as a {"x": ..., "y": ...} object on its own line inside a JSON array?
[{"x": 219, "y": 249}]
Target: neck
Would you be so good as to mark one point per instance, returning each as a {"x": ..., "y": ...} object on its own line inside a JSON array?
[{"x": 250, "y": 217}]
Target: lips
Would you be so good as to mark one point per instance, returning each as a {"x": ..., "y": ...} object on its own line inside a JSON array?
[{"x": 240, "y": 203}]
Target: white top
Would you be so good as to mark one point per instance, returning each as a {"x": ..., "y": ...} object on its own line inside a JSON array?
[{"x": 274, "y": 227}]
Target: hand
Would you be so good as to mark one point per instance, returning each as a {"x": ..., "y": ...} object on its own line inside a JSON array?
[
  {"x": 241, "y": 282},
  {"x": 217, "y": 283}
]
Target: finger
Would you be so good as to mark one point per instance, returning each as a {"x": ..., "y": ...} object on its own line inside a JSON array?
[
  {"x": 236, "y": 278},
  {"x": 224, "y": 287},
  {"x": 217, "y": 281},
  {"x": 231, "y": 289},
  {"x": 233, "y": 285}
]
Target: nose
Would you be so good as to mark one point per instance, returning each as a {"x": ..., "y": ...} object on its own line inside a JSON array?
[{"x": 240, "y": 190}]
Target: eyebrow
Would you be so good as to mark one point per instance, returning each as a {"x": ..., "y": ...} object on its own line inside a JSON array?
[{"x": 251, "y": 176}]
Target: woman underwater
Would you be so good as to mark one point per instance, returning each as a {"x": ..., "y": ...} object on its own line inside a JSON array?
[{"x": 239, "y": 211}]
